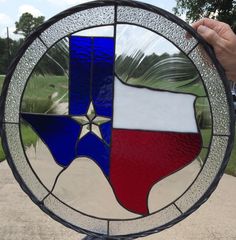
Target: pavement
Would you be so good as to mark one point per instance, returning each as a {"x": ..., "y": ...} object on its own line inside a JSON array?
[{"x": 22, "y": 220}]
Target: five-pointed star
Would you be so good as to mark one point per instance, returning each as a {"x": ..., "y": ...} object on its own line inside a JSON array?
[{"x": 91, "y": 122}]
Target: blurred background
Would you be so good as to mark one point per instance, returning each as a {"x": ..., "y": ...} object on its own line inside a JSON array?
[
  {"x": 169, "y": 70},
  {"x": 19, "y": 18}
]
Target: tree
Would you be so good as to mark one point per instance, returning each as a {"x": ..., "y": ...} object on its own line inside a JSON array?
[
  {"x": 27, "y": 23},
  {"x": 6, "y": 55},
  {"x": 55, "y": 62},
  {"x": 222, "y": 10}
]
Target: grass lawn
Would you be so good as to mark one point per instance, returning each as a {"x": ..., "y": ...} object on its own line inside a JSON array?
[
  {"x": 47, "y": 84},
  {"x": 2, "y": 155},
  {"x": 29, "y": 138},
  {"x": 52, "y": 88},
  {"x": 231, "y": 167},
  {"x": 1, "y": 81},
  {"x": 39, "y": 101},
  {"x": 28, "y": 135}
]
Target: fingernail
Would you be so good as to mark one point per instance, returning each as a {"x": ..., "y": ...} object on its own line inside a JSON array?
[
  {"x": 202, "y": 29},
  {"x": 188, "y": 35}
]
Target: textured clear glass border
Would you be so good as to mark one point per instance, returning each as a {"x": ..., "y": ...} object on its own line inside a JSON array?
[
  {"x": 158, "y": 24},
  {"x": 20, "y": 162},
  {"x": 26, "y": 65},
  {"x": 144, "y": 224},
  {"x": 78, "y": 21},
  {"x": 19, "y": 79},
  {"x": 207, "y": 174},
  {"x": 215, "y": 89},
  {"x": 75, "y": 22},
  {"x": 75, "y": 218}
]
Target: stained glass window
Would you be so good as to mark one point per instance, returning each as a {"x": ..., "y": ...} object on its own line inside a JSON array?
[{"x": 132, "y": 110}]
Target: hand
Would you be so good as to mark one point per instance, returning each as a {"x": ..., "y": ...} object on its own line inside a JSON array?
[{"x": 223, "y": 40}]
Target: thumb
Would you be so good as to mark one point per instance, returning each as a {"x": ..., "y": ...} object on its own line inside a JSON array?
[{"x": 209, "y": 35}]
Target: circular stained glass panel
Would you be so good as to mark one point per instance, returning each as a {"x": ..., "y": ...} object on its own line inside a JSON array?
[{"x": 114, "y": 123}]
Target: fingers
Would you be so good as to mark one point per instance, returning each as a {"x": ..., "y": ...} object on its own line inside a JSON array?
[
  {"x": 209, "y": 35},
  {"x": 221, "y": 28},
  {"x": 210, "y": 23}
]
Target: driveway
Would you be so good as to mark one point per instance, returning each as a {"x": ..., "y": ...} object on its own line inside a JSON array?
[{"x": 22, "y": 220}]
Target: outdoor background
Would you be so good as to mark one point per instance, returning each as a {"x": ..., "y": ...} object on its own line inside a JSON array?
[{"x": 19, "y": 18}]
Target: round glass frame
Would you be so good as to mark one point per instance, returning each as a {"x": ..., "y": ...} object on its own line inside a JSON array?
[{"x": 111, "y": 13}]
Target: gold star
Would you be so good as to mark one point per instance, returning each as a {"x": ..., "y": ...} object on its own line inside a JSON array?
[{"x": 91, "y": 122}]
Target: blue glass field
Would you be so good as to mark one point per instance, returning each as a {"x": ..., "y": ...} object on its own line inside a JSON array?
[
  {"x": 38, "y": 101},
  {"x": 41, "y": 101}
]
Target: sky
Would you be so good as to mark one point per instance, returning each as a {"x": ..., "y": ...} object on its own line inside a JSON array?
[{"x": 11, "y": 10}]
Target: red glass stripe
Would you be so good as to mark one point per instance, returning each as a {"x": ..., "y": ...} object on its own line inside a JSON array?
[{"x": 139, "y": 159}]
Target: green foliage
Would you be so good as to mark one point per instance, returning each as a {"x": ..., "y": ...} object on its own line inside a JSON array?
[
  {"x": 196, "y": 9},
  {"x": 56, "y": 61},
  {"x": 166, "y": 72},
  {"x": 28, "y": 23},
  {"x": 2, "y": 154},
  {"x": 8, "y": 49},
  {"x": 203, "y": 113},
  {"x": 231, "y": 167},
  {"x": 206, "y": 136},
  {"x": 38, "y": 101},
  {"x": 39, "y": 91},
  {"x": 29, "y": 137},
  {"x": 2, "y": 77},
  {"x": 36, "y": 105},
  {"x": 4, "y": 55},
  {"x": 226, "y": 12},
  {"x": 44, "y": 86}
]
